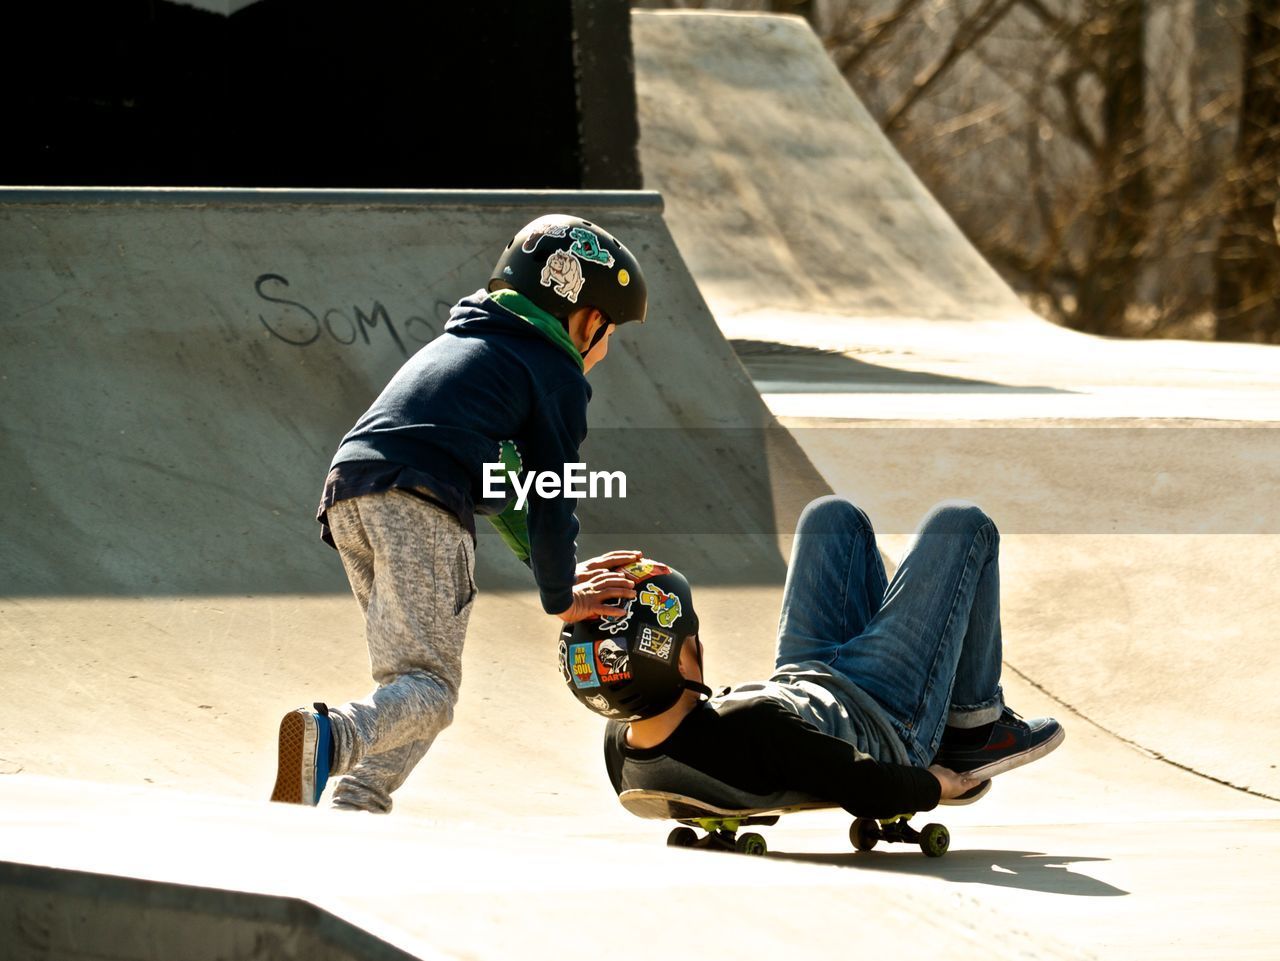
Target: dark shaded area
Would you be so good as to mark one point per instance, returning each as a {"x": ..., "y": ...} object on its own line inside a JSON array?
[
  {"x": 318, "y": 93},
  {"x": 1122, "y": 211},
  {"x": 794, "y": 369},
  {"x": 1025, "y": 870},
  {"x": 1248, "y": 256},
  {"x": 55, "y": 913}
]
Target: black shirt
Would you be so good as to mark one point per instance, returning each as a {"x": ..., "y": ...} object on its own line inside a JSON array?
[{"x": 759, "y": 746}]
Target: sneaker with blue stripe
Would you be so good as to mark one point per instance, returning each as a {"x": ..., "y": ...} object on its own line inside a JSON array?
[{"x": 306, "y": 740}]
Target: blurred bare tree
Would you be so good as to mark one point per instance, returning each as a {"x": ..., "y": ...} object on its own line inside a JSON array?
[
  {"x": 1116, "y": 160},
  {"x": 1248, "y": 255}
]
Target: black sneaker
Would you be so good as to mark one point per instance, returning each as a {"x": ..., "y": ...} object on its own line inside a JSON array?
[{"x": 1012, "y": 743}]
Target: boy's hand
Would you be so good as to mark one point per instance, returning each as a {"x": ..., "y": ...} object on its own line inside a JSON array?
[
  {"x": 953, "y": 784},
  {"x": 606, "y": 562},
  {"x": 591, "y": 592}
]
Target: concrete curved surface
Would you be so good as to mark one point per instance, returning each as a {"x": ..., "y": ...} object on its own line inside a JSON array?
[{"x": 783, "y": 194}]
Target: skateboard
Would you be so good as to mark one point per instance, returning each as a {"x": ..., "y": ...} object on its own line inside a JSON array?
[{"x": 720, "y": 825}]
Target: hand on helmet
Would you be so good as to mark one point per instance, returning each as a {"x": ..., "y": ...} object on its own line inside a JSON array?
[
  {"x": 606, "y": 562},
  {"x": 592, "y": 591}
]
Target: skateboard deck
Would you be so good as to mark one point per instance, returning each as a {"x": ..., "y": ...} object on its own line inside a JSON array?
[{"x": 721, "y": 824}]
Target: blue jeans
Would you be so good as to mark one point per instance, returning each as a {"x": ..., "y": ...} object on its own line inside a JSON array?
[{"x": 926, "y": 646}]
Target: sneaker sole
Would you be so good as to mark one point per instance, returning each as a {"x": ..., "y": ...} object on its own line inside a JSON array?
[
  {"x": 1018, "y": 760},
  {"x": 291, "y": 765},
  {"x": 968, "y": 797}
]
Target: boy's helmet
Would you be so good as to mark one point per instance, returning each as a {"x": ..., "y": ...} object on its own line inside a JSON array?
[
  {"x": 562, "y": 263},
  {"x": 626, "y": 668}
]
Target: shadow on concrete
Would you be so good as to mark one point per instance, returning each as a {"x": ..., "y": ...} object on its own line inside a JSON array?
[
  {"x": 1028, "y": 870},
  {"x": 790, "y": 368},
  {"x": 140, "y": 918}
]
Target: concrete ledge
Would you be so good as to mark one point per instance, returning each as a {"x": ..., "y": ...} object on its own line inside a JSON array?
[
  {"x": 646, "y": 200},
  {"x": 50, "y": 912}
]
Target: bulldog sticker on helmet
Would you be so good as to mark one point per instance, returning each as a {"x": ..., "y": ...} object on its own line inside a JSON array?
[
  {"x": 613, "y": 661},
  {"x": 666, "y": 606},
  {"x": 563, "y": 273}
]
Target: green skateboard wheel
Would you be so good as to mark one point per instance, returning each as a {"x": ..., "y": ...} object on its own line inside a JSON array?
[
  {"x": 864, "y": 833},
  {"x": 751, "y": 844},
  {"x": 682, "y": 838},
  {"x": 934, "y": 840}
]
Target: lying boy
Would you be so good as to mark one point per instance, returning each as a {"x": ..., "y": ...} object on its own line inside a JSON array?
[{"x": 885, "y": 696}]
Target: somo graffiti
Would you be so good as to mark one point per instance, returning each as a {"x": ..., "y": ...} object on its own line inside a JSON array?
[{"x": 300, "y": 326}]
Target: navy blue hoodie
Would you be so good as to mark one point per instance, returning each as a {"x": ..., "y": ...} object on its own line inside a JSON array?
[{"x": 491, "y": 376}]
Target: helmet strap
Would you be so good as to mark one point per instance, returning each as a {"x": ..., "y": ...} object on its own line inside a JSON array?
[
  {"x": 598, "y": 336},
  {"x": 697, "y": 686}
]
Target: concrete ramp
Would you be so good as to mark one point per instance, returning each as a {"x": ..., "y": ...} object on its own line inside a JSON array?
[
  {"x": 783, "y": 193},
  {"x": 179, "y": 367},
  {"x": 805, "y": 228}
]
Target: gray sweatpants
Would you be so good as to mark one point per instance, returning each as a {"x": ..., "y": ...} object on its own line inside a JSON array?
[{"x": 411, "y": 566}]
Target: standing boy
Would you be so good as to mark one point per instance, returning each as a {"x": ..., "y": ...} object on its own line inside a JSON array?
[{"x": 506, "y": 381}]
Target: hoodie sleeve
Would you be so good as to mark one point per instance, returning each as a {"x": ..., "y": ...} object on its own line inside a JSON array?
[
  {"x": 560, "y": 428},
  {"x": 794, "y": 755},
  {"x": 825, "y": 766}
]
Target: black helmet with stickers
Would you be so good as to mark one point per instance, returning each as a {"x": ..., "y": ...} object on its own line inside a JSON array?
[
  {"x": 627, "y": 668},
  {"x": 562, "y": 263}
]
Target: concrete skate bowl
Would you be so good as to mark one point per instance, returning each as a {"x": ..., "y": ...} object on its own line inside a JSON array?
[{"x": 179, "y": 367}]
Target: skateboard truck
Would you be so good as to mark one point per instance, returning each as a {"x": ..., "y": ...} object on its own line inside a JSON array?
[
  {"x": 865, "y": 833},
  {"x": 721, "y": 834}
]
